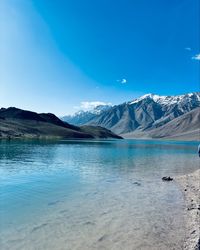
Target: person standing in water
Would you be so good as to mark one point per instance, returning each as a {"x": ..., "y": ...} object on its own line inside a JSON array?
[{"x": 199, "y": 150}]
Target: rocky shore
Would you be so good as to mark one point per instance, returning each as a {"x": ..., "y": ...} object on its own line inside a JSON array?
[{"x": 190, "y": 186}]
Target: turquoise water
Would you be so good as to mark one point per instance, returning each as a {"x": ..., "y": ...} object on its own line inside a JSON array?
[{"x": 92, "y": 194}]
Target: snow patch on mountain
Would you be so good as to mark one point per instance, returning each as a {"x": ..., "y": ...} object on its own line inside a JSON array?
[
  {"x": 83, "y": 116},
  {"x": 168, "y": 100},
  {"x": 97, "y": 110}
]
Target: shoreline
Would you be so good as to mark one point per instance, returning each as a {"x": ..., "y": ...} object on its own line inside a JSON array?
[
  {"x": 190, "y": 187},
  {"x": 49, "y": 137}
]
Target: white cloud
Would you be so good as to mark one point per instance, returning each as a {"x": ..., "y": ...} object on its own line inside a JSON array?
[
  {"x": 91, "y": 105},
  {"x": 188, "y": 48},
  {"x": 196, "y": 57},
  {"x": 122, "y": 81}
]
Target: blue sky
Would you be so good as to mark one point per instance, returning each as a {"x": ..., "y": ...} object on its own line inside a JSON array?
[{"x": 55, "y": 55}]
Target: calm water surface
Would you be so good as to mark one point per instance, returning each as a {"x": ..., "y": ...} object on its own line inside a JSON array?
[{"x": 92, "y": 194}]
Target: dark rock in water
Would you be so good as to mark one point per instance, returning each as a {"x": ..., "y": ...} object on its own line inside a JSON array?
[
  {"x": 89, "y": 223},
  {"x": 53, "y": 203},
  {"x": 137, "y": 183},
  {"x": 102, "y": 238},
  {"x": 165, "y": 178}
]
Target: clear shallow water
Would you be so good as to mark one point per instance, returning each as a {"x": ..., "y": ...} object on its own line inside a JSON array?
[{"x": 92, "y": 194}]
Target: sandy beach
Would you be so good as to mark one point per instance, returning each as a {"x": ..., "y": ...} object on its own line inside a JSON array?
[{"x": 190, "y": 186}]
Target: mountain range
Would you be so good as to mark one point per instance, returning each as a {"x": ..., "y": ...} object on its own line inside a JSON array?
[
  {"x": 150, "y": 116},
  {"x": 18, "y": 123},
  {"x": 82, "y": 117}
]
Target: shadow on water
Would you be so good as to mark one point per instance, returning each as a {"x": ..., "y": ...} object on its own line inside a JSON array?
[{"x": 104, "y": 155}]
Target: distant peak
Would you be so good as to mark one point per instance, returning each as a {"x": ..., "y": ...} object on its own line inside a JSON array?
[
  {"x": 147, "y": 95},
  {"x": 165, "y": 100}
]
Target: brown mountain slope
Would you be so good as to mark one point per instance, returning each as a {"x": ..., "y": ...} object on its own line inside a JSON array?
[
  {"x": 186, "y": 127},
  {"x": 17, "y": 123},
  {"x": 147, "y": 112}
]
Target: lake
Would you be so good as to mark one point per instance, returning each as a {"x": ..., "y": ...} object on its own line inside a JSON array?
[{"x": 104, "y": 194}]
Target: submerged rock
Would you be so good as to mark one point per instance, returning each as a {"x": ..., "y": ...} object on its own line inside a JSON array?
[{"x": 137, "y": 183}]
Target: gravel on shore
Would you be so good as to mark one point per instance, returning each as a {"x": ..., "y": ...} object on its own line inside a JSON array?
[{"x": 190, "y": 186}]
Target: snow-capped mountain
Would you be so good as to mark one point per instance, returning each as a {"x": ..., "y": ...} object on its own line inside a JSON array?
[
  {"x": 169, "y": 100},
  {"x": 82, "y": 117},
  {"x": 142, "y": 114}
]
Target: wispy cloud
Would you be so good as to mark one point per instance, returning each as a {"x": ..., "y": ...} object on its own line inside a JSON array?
[
  {"x": 91, "y": 105},
  {"x": 196, "y": 57},
  {"x": 188, "y": 48},
  {"x": 122, "y": 81}
]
